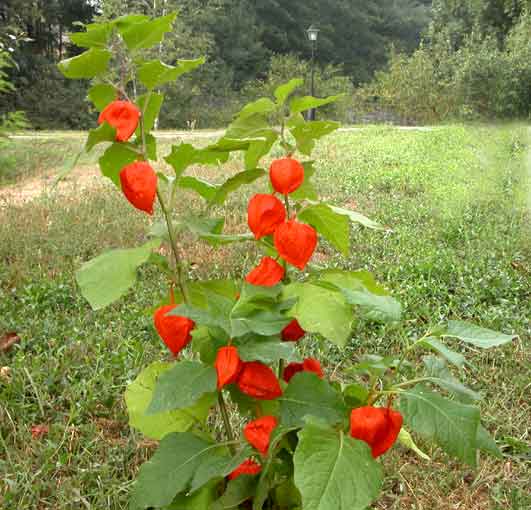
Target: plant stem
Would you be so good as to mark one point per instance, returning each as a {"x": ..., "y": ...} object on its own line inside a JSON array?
[
  {"x": 226, "y": 420},
  {"x": 373, "y": 394},
  {"x": 178, "y": 263},
  {"x": 407, "y": 350},
  {"x": 143, "y": 132},
  {"x": 286, "y": 203},
  {"x": 408, "y": 383},
  {"x": 280, "y": 368},
  {"x": 173, "y": 244}
]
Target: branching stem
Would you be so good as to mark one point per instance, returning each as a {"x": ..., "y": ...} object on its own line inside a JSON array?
[{"x": 226, "y": 421}]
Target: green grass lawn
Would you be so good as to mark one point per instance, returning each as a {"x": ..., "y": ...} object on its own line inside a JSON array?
[{"x": 456, "y": 203}]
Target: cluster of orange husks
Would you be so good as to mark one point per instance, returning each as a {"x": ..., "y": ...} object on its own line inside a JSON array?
[{"x": 295, "y": 243}]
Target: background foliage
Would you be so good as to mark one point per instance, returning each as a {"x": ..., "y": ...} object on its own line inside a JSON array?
[
  {"x": 453, "y": 59},
  {"x": 243, "y": 41},
  {"x": 475, "y": 63}
]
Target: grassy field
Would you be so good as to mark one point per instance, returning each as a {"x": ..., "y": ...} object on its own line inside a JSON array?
[{"x": 457, "y": 203}]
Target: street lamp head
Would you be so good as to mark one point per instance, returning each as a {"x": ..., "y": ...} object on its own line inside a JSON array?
[{"x": 313, "y": 33}]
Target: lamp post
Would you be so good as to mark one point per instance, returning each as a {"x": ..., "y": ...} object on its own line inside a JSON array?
[{"x": 312, "y": 33}]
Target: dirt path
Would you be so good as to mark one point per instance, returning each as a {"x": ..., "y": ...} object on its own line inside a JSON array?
[
  {"x": 186, "y": 135},
  {"x": 88, "y": 176},
  {"x": 81, "y": 178},
  {"x": 75, "y": 135}
]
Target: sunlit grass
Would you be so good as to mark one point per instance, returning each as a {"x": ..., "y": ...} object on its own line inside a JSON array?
[{"x": 457, "y": 246}]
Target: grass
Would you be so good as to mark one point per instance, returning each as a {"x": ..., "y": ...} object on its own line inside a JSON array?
[{"x": 456, "y": 199}]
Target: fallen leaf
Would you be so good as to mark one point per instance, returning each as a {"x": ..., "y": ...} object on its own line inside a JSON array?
[
  {"x": 38, "y": 431},
  {"x": 8, "y": 340},
  {"x": 5, "y": 374}
]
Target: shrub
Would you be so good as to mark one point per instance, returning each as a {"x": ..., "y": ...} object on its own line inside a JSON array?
[{"x": 439, "y": 82}]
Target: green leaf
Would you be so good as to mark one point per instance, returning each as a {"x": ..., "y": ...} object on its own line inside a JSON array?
[
  {"x": 151, "y": 147},
  {"x": 146, "y": 33},
  {"x": 161, "y": 262},
  {"x": 283, "y": 91},
  {"x": 320, "y": 310},
  {"x": 334, "y": 227},
  {"x": 138, "y": 396},
  {"x": 301, "y": 104},
  {"x": 209, "y": 229},
  {"x": 439, "y": 374},
  {"x": 216, "y": 295},
  {"x": 182, "y": 386},
  {"x": 87, "y": 65},
  {"x": 218, "y": 467},
  {"x": 96, "y": 36},
  {"x": 404, "y": 438},
  {"x": 101, "y": 95},
  {"x": 170, "y": 470},
  {"x": 258, "y": 311},
  {"x": 205, "y": 189},
  {"x": 353, "y": 280},
  {"x": 435, "y": 345},
  {"x": 202, "y": 225},
  {"x": 104, "y": 133},
  {"x": 373, "y": 364},
  {"x": 155, "y": 73},
  {"x": 334, "y": 471},
  {"x": 480, "y": 337},
  {"x": 199, "y": 500},
  {"x": 266, "y": 349},
  {"x": 184, "y": 155},
  {"x": 307, "y": 133},
  {"x": 252, "y": 127},
  {"x": 355, "y": 395},
  {"x": 360, "y": 288},
  {"x": 288, "y": 496},
  {"x": 452, "y": 425},
  {"x": 229, "y": 145},
  {"x": 114, "y": 159},
  {"x": 487, "y": 444},
  {"x": 220, "y": 239},
  {"x": 258, "y": 149},
  {"x": 272, "y": 469},
  {"x": 129, "y": 19},
  {"x": 356, "y": 217},
  {"x": 235, "y": 182},
  {"x": 151, "y": 110},
  {"x": 238, "y": 490},
  {"x": 206, "y": 345},
  {"x": 307, "y": 395},
  {"x": 306, "y": 190},
  {"x": 109, "y": 276},
  {"x": 217, "y": 314},
  {"x": 262, "y": 106},
  {"x": 375, "y": 307}
]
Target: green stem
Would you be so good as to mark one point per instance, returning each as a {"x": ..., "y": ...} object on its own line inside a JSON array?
[
  {"x": 146, "y": 103},
  {"x": 410, "y": 382},
  {"x": 226, "y": 421},
  {"x": 173, "y": 244},
  {"x": 373, "y": 394},
  {"x": 286, "y": 203},
  {"x": 280, "y": 368},
  {"x": 407, "y": 350}
]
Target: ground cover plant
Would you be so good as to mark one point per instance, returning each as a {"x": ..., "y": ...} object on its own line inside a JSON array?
[{"x": 404, "y": 189}]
